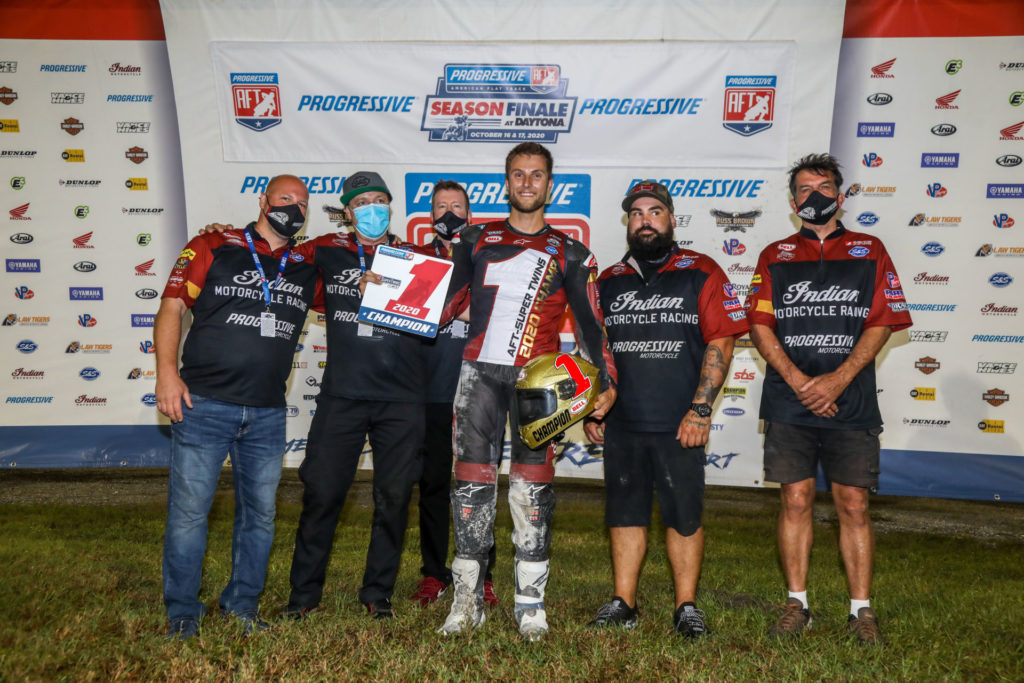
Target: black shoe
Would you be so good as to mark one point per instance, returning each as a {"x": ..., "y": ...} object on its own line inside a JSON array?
[
  {"x": 249, "y": 619},
  {"x": 297, "y": 612},
  {"x": 183, "y": 628},
  {"x": 379, "y": 609},
  {"x": 689, "y": 621},
  {"x": 616, "y": 613}
]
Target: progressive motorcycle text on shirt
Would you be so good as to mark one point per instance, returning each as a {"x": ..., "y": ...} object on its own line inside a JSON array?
[{"x": 247, "y": 286}]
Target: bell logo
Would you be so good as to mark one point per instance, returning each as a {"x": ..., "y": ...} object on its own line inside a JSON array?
[{"x": 144, "y": 268}]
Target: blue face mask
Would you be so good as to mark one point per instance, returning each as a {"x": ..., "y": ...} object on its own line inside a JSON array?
[{"x": 372, "y": 219}]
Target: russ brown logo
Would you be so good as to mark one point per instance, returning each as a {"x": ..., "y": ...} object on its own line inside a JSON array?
[
  {"x": 499, "y": 103},
  {"x": 257, "y": 100},
  {"x": 749, "y": 104}
]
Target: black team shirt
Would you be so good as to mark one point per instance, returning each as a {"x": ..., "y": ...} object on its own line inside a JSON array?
[
  {"x": 659, "y": 321},
  {"x": 225, "y": 358},
  {"x": 819, "y": 296}
]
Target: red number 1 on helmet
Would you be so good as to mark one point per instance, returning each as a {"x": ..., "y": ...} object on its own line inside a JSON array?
[{"x": 567, "y": 362}]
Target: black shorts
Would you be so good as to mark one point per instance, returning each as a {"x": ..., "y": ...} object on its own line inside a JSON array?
[
  {"x": 848, "y": 456},
  {"x": 635, "y": 463}
]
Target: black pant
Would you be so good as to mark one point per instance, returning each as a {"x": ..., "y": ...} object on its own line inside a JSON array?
[
  {"x": 435, "y": 489},
  {"x": 335, "y": 443}
]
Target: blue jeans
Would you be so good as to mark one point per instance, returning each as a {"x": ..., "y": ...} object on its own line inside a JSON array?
[{"x": 255, "y": 439}]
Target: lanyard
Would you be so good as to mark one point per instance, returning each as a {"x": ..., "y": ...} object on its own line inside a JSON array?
[
  {"x": 259, "y": 267},
  {"x": 362, "y": 258}
]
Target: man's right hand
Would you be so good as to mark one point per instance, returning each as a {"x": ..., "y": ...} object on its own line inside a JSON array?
[
  {"x": 215, "y": 227},
  {"x": 170, "y": 393},
  {"x": 594, "y": 429}
]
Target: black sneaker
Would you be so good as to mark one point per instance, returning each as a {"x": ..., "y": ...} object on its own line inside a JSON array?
[
  {"x": 182, "y": 628},
  {"x": 249, "y": 620},
  {"x": 297, "y": 612},
  {"x": 380, "y": 609},
  {"x": 689, "y": 621},
  {"x": 616, "y": 613}
]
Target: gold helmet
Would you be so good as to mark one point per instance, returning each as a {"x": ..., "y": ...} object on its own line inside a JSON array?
[{"x": 553, "y": 391}]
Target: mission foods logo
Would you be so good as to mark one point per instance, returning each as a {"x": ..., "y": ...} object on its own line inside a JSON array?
[
  {"x": 499, "y": 103},
  {"x": 568, "y": 206},
  {"x": 749, "y": 104},
  {"x": 257, "y": 100}
]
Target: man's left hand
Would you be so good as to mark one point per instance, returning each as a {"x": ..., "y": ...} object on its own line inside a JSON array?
[
  {"x": 604, "y": 403},
  {"x": 693, "y": 430},
  {"x": 820, "y": 392}
]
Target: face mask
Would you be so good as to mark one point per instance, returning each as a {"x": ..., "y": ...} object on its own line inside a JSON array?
[
  {"x": 372, "y": 219},
  {"x": 449, "y": 225},
  {"x": 818, "y": 209},
  {"x": 285, "y": 220}
]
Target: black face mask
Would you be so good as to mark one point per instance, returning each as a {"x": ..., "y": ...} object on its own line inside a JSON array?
[
  {"x": 650, "y": 248},
  {"x": 286, "y": 220},
  {"x": 449, "y": 225},
  {"x": 818, "y": 209}
]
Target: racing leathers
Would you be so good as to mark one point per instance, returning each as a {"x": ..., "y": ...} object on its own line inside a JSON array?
[{"x": 520, "y": 285}]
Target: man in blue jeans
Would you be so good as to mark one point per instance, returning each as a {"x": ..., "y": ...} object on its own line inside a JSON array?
[{"x": 248, "y": 292}]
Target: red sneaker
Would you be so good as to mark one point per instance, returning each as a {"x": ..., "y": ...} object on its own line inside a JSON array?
[
  {"x": 428, "y": 591},
  {"x": 490, "y": 599}
]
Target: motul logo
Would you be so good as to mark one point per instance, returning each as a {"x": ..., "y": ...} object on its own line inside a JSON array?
[
  {"x": 144, "y": 268},
  {"x": 882, "y": 70}
]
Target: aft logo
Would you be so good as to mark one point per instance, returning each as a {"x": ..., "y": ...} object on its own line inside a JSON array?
[
  {"x": 882, "y": 70},
  {"x": 871, "y": 160},
  {"x": 946, "y": 101},
  {"x": 499, "y": 103},
  {"x": 257, "y": 100},
  {"x": 568, "y": 206},
  {"x": 749, "y": 104}
]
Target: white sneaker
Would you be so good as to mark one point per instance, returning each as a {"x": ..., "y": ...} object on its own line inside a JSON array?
[{"x": 533, "y": 621}]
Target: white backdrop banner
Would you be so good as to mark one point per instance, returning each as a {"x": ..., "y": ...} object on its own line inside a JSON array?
[
  {"x": 701, "y": 97},
  {"x": 656, "y": 104}
]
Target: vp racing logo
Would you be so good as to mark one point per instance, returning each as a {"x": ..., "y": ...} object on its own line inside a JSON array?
[
  {"x": 499, "y": 103},
  {"x": 749, "y": 104},
  {"x": 257, "y": 100}
]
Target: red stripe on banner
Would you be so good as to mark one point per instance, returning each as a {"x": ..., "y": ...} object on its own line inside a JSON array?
[
  {"x": 933, "y": 18},
  {"x": 81, "y": 20}
]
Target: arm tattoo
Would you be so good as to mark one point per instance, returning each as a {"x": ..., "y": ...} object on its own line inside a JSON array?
[{"x": 712, "y": 374}]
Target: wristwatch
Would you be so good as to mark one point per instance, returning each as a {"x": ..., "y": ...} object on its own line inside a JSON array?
[{"x": 702, "y": 409}]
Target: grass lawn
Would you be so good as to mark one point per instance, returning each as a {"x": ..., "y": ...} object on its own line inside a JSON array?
[{"x": 81, "y": 600}]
